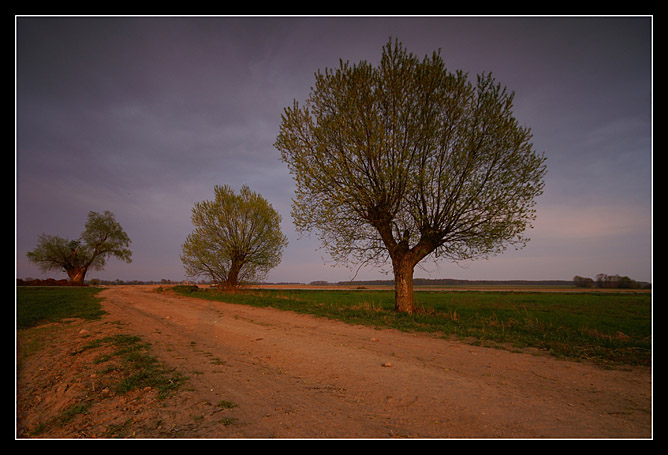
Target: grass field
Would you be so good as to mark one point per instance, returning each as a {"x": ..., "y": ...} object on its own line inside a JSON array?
[
  {"x": 35, "y": 305},
  {"x": 613, "y": 328},
  {"x": 605, "y": 327}
]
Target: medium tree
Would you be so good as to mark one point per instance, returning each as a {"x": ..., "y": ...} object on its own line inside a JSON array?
[
  {"x": 102, "y": 238},
  {"x": 583, "y": 282},
  {"x": 237, "y": 238},
  {"x": 405, "y": 160}
]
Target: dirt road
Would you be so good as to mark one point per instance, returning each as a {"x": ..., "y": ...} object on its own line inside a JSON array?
[{"x": 296, "y": 376}]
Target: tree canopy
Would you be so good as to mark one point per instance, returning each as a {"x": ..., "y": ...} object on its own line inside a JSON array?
[
  {"x": 404, "y": 160},
  {"x": 237, "y": 238},
  {"x": 102, "y": 238}
]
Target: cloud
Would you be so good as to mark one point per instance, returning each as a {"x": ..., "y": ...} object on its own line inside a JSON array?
[
  {"x": 571, "y": 222},
  {"x": 143, "y": 116}
]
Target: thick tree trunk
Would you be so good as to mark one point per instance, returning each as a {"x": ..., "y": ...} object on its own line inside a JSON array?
[
  {"x": 77, "y": 274},
  {"x": 232, "y": 281},
  {"x": 404, "y": 301}
]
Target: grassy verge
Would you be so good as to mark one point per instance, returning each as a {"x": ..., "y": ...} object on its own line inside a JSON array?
[
  {"x": 36, "y": 305},
  {"x": 119, "y": 362},
  {"x": 138, "y": 368},
  {"x": 135, "y": 366},
  {"x": 612, "y": 328}
]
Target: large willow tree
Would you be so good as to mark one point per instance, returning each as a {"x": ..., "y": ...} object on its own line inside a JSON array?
[
  {"x": 404, "y": 160},
  {"x": 237, "y": 238}
]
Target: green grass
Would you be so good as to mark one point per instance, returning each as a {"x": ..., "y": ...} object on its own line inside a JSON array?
[
  {"x": 613, "y": 328},
  {"x": 125, "y": 365},
  {"x": 37, "y": 305},
  {"x": 140, "y": 369}
]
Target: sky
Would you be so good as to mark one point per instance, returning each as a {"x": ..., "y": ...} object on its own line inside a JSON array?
[{"x": 143, "y": 116}]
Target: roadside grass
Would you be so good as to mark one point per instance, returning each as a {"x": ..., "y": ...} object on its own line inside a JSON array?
[
  {"x": 124, "y": 362},
  {"x": 37, "y": 305},
  {"x": 137, "y": 368},
  {"x": 607, "y": 328}
]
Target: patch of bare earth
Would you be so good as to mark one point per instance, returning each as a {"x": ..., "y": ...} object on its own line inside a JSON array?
[{"x": 265, "y": 373}]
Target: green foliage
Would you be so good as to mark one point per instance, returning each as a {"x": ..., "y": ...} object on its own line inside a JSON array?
[
  {"x": 604, "y": 327},
  {"x": 237, "y": 238},
  {"x": 103, "y": 237},
  {"x": 406, "y": 160}
]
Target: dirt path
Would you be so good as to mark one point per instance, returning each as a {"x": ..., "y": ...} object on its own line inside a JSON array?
[{"x": 296, "y": 376}]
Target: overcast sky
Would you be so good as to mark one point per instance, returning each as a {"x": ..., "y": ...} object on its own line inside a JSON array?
[{"x": 143, "y": 116}]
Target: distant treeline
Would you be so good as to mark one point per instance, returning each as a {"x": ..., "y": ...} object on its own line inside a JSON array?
[
  {"x": 92, "y": 282},
  {"x": 455, "y": 282},
  {"x": 604, "y": 281}
]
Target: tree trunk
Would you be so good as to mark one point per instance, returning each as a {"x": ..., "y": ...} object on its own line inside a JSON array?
[
  {"x": 77, "y": 274},
  {"x": 403, "y": 285},
  {"x": 232, "y": 281}
]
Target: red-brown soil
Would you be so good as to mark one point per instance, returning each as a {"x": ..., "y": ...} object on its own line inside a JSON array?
[
  {"x": 48, "y": 282},
  {"x": 297, "y": 376}
]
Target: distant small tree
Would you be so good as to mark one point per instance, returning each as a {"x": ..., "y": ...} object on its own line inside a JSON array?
[
  {"x": 237, "y": 238},
  {"x": 615, "y": 282},
  {"x": 102, "y": 238},
  {"x": 583, "y": 282},
  {"x": 625, "y": 282}
]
